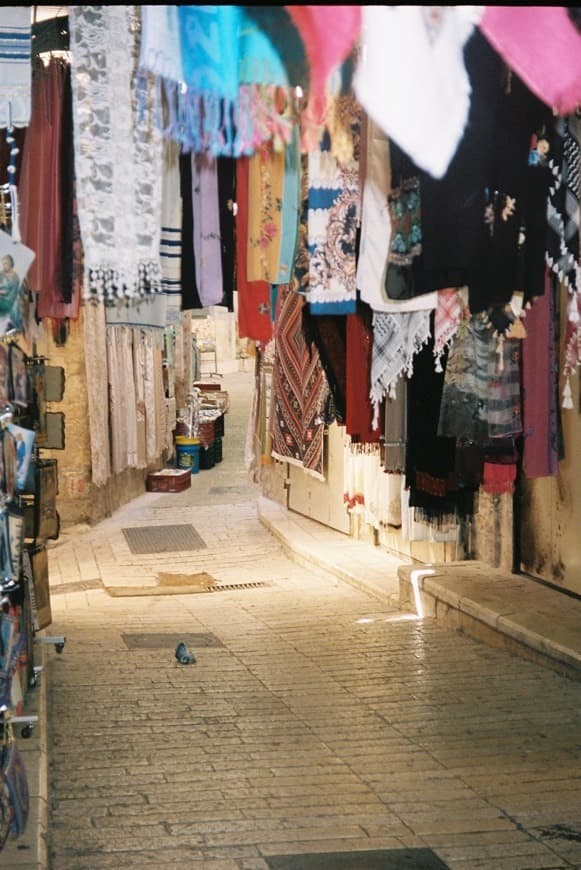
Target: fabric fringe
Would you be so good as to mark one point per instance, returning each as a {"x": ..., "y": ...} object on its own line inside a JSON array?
[{"x": 109, "y": 285}]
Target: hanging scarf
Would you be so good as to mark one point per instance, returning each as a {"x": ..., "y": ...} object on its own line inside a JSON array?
[
  {"x": 498, "y": 479},
  {"x": 542, "y": 45},
  {"x": 265, "y": 189},
  {"x": 334, "y": 202},
  {"x": 207, "y": 244},
  {"x": 396, "y": 428},
  {"x": 572, "y": 359},
  {"x": 254, "y": 319},
  {"x": 226, "y": 199},
  {"x": 291, "y": 204},
  {"x": 464, "y": 406},
  {"x": 15, "y": 69},
  {"x": 118, "y": 156},
  {"x": 329, "y": 33},
  {"x": 503, "y": 389},
  {"x": 328, "y": 335},
  {"x": 449, "y": 312},
  {"x": 190, "y": 298},
  {"x": 170, "y": 248},
  {"x": 359, "y": 410},
  {"x": 412, "y": 81},
  {"x": 396, "y": 340},
  {"x": 563, "y": 213},
  {"x": 219, "y": 71}
]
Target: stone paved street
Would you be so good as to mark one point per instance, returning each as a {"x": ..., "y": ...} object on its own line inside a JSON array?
[{"x": 314, "y": 720}]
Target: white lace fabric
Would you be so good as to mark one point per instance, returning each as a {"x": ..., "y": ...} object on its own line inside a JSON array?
[{"x": 118, "y": 155}]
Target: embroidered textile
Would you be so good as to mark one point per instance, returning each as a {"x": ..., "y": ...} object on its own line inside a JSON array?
[
  {"x": 334, "y": 206},
  {"x": 254, "y": 319},
  {"x": 299, "y": 391},
  {"x": 464, "y": 406},
  {"x": 396, "y": 340},
  {"x": 436, "y": 82},
  {"x": 118, "y": 155},
  {"x": 15, "y": 67},
  {"x": 170, "y": 247},
  {"x": 265, "y": 191},
  {"x": 329, "y": 335},
  {"x": 449, "y": 312},
  {"x": 207, "y": 242},
  {"x": 542, "y": 45}
]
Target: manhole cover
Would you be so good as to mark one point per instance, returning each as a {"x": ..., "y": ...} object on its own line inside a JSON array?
[
  {"x": 163, "y": 539},
  {"x": 159, "y": 640},
  {"x": 376, "y": 859}
]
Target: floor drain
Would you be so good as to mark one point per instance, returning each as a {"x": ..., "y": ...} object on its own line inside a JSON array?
[
  {"x": 160, "y": 640},
  {"x": 229, "y": 587},
  {"x": 144, "y": 540}
]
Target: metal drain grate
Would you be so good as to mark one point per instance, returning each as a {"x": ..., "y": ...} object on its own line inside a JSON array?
[
  {"x": 144, "y": 540},
  {"x": 160, "y": 640},
  {"x": 229, "y": 587},
  {"x": 374, "y": 859}
]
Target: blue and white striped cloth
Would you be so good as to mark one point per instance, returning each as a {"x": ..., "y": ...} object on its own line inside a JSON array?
[{"x": 15, "y": 66}]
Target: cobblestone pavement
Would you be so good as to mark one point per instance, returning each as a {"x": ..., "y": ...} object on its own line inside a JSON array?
[{"x": 311, "y": 721}]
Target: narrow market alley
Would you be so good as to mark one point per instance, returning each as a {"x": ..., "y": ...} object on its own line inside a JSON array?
[{"x": 315, "y": 721}]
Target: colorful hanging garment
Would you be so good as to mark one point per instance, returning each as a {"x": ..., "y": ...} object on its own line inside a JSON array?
[
  {"x": 265, "y": 190},
  {"x": 464, "y": 405},
  {"x": 329, "y": 335},
  {"x": 171, "y": 235},
  {"x": 226, "y": 199},
  {"x": 359, "y": 410},
  {"x": 190, "y": 297},
  {"x": 334, "y": 206},
  {"x": 539, "y": 374},
  {"x": 220, "y": 72},
  {"x": 329, "y": 34},
  {"x": 299, "y": 391},
  {"x": 291, "y": 205},
  {"x": 207, "y": 243},
  {"x": 543, "y": 46},
  {"x": 395, "y": 441},
  {"x": 572, "y": 359},
  {"x": 504, "y": 393},
  {"x": 436, "y": 83},
  {"x": 254, "y": 320},
  {"x": 397, "y": 338},
  {"x": 118, "y": 155},
  {"x": 499, "y": 478},
  {"x": 15, "y": 69},
  {"x": 449, "y": 312}
]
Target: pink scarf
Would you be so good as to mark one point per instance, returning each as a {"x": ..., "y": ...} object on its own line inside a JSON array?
[{"x": 542, "y": 45}]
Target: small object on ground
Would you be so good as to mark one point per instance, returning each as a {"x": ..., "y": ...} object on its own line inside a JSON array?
[{"x": 183, "y": 655}]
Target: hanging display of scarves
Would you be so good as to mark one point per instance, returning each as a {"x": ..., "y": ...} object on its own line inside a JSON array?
[
  {"x": 359, "y": 410},
  {"x": 265, "y": 190},
  {"x": 118, "y": 156},
  {"x": 207, "y": 243},
  {"x": 334, "y": 207},
  {"x": 450, "y": 309},
  {"x": 220, "y": 72}
]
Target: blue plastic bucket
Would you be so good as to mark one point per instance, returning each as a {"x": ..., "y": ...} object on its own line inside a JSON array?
[{"x": 188, "y": 454}]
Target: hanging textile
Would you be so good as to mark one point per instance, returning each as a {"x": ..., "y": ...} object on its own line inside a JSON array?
[
  {"x": 499, "y": 478},
  {"x": 359, "y": 410},
  {"x": 299, "y": 391},
  {"x": 254, "y": 319},
  {"x": 15, "y": 70},
  {"x": 190, "y": 296},
  {"x": 543, "y": 46},
  {"x": 207, "y": 243},
  {"x": 128, "y": 396},
  {"x": 397, "y": 338},
  {"x": 464, "y": 406},
  {"x": 572, "y": 357},
  {"x": 504, "y": 391},
  {"x": 334, "y": 206},
  {"x": 139, "y": 370},
  {"x": 265, "y": 190},
  {"x": 170, "y": 247},
  {"x": 96, "y": 356},
  {"x": 426, "y": 117},
  {"x": 118, "y": 155},
  {"x": 231, "y": 70},
  {"x": 396, "y": 429},
  {"x": 563, "y": 214},
  {"x": 291, "y": 205},
  {"x": 329, "y": 34},
  {"x": 449, "y": 312},
  {"x": 226, "y": 199},
  {"x": 117, "y": 417},
  {"x": 329, "y": 335}
]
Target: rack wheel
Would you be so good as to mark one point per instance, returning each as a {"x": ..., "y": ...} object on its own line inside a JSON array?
[{"x": 26, "y": 731}]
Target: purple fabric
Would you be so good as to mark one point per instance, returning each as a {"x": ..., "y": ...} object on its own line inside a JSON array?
[
  {"x": 207, "y": 241},
  {"x": 539, "y": 389}
]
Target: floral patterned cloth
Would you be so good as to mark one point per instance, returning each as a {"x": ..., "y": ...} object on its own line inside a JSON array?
[
  {"x": 334, "y": 207},
  {"x": 265, "y": 191}
]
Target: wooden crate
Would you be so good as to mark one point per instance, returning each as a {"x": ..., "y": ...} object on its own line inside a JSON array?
[{"x": 169, "y": 480}]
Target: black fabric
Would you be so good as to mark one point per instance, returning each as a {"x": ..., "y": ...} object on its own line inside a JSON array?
[
  {"x": 226, "y": 199},
  {"x": 190, "y": 296},
  {"x": 328, "y": 333}
]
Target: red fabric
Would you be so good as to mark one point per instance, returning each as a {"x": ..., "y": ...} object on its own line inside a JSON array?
[
  {"x": 329, "y": 33},
  {"x": 359, "y": 410},
  {"x": 254, "y": 320},
  {"x": 498, "y": 479},
  {"x": 542, "y": 45}
]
